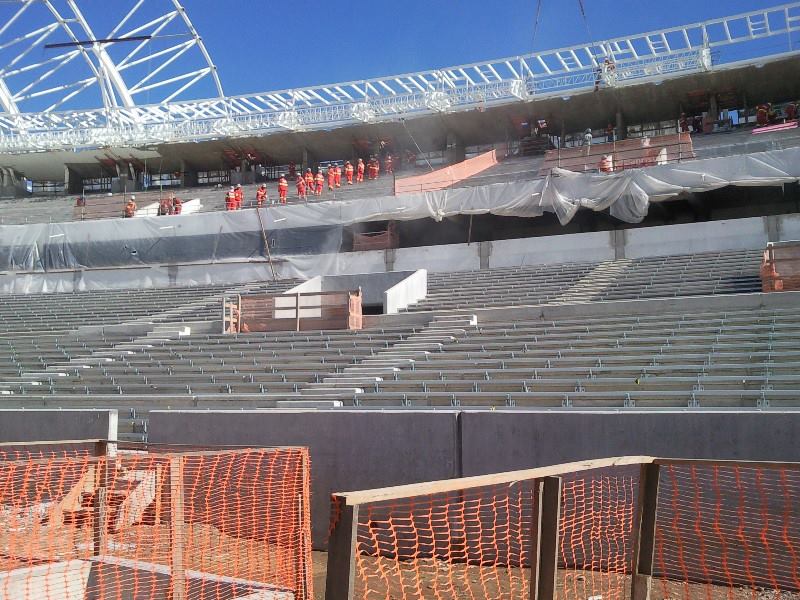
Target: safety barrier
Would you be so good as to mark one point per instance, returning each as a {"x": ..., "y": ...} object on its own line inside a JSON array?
[
  {"x": 446, "y": 177},
  {"x": 107, "y": 521},
  {"x": 618, "y": 156},
  {"x": 780, "y": 267},
  {"x": 618, "y": 528},
  {"x": 292, "y": 312}
]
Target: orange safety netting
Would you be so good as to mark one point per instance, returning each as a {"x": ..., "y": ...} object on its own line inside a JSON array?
[
  {"x": 476, "y": 543},
  {"x": 780, "y": 268},
  {"x": 723, "y": 532},
  {"x": 181, "y": 526}
]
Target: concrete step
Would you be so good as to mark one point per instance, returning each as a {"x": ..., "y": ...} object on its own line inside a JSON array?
[
  {"x": 335, "y": 392},
  {"x": 355, "y": 380},
  {"x": 369, "y": 369},
  {"x": 418, "y": 346}
]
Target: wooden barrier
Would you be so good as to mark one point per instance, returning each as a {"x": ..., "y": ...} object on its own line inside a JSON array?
[
  {"x": 378, "y": 240},
  {"x": 628, "y": 154},
  {"x": 293, "y": 312}
]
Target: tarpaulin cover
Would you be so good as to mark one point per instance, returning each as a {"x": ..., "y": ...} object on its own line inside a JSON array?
[{"x": 316, "y": 228}]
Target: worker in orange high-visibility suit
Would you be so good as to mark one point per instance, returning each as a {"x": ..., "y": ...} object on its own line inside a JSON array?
[
  {"x": 309, "y": 178},
  {"x": 360, "y": 171},
  {"x": 283, "y": 189},
  {"x": 230, "y": 199},
  {"x": 301, "y": 188},
  {"x": 372, "y": 168},
  {"x": 337, "y": 172},
  {"x": 261, "y": 195},
  {"x": 319, "y": 180},
  {"x": 388, "y": 165},
  {"x": 762, "y": 115},
  {"x": 239, "y": 196},
  {"x": 331, "y": 177},
  {"x": 348, "y": 172}
]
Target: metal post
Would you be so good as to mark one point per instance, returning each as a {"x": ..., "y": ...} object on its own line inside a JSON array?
[
  {"x": 544, "y": 538},
  {"x": 644, "y": 531},
  {"x": 266, "y": 243},
  {"x": 297, "y": 312},
  {"x": 177, "y": 532},
  {"x": 340, "y": 578}
]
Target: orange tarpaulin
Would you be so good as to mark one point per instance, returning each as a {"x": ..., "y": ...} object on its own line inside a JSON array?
[{"x": 444, "y": 178}]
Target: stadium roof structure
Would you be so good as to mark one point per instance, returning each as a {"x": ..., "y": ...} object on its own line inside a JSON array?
[{"x": 40, "y": 113}]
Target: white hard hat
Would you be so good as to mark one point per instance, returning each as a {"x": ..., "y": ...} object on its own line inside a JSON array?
[{"x": 132, "y": 197}]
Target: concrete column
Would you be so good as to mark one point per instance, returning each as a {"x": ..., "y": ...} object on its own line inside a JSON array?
[
  {"x": 622, "y": 131},
  {"x": 456, "y": 150},
  {"x": 713, "y": 108},
  {"x": 772, "y": 227},
  {"x": 618, "y": 239},
  {"x": 389, "y": 258},
  {"x": 304, "y": 163},
  {"x": 485, "y": 250},
  {"x": 66, "y": 179}
]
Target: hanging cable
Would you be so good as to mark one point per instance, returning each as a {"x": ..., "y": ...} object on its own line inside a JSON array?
[
  {"x": 536, "y": 23},
  {"x": 403, "y": 121}
]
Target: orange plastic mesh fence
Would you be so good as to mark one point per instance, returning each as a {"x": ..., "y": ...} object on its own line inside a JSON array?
[
  {"x": 476, "y": 543},
  {"x": 152, "y": 525},
  {"x": 722, "y": 532},
  {"x": 720, "y": 528}
]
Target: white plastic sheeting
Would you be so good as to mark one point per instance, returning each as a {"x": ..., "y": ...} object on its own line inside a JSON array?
[{"x": 315, "y": 228}]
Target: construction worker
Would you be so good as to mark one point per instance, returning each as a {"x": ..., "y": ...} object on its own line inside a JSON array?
[
  {"x": 177, "y": 205},
  {"x": 348, "y": 172},
  {"x": 791, "y": 111},
  {"x": 261, "y": 195},
  {"x": 230, "y": 199},
  {"x": 683, "y": 122},
  {"x": 762, "y": 115},
  {"x": 337, "y": 172},
  {"x": 130, "y": 208},
  {"x": 389, "y": 165},
  {"x": 372, "y": 168},
  {"x": 164, "y": 207},
  {"x": 301, "y": 188},
  {"x": 319, "y": 180},
  {"x": 309, "y": 177},
  {"x": 239, "y": 196},
  {"x": 283, "y": 189},
  {"x": 607, "y": 163},
  {"x": 360, "y": 171},
  {"x": 331, "y": 177}
]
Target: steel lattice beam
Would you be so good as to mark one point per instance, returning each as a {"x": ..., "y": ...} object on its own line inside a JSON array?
[{"x": 648, "y": 57}]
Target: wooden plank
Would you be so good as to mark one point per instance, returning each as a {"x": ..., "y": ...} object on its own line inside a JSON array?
[
  {"x": 340, "y": 577},
  {"x": 747, "y": 464},
  {"x": 644, "y": 532},
  {"x": 544, "y": 538},
  {"x": 100, "y": 505},
  {"x": 177, "y": 530},
  {"x": 454, "y": 485}
]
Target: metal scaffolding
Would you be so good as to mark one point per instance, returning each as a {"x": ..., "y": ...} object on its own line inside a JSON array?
[{"x": 744, "y": 39}]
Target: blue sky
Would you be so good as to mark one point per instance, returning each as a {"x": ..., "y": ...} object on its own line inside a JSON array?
[{"x": 260, "y": 45}]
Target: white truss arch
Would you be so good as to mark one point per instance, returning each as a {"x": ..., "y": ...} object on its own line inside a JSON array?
[{"x": 56, "y": 59}]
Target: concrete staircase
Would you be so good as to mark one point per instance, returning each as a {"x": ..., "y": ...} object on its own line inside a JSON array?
[
  {"x": 351, "y": 381},
  {"x": 595, "y": 283}
]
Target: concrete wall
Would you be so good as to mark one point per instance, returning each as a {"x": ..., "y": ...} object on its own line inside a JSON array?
[
  {"x": 580, "y": 247},
  {"x": 47, "y": 425},
  {"x": 736, "y": 234},
  {"x": 408, "y": 291},
  {"x": 349, "y": 449},
  {"x": 504, "y": 441},
  {"x": 366, "y": 449}
]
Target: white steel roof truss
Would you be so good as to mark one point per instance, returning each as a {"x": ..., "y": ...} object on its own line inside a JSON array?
[{"x": 138, "y": 86}]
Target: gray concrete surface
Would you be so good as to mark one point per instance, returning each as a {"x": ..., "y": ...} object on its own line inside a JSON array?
[
  {"x": 349, "y": 449},
  {"x": 504, "y": 441},
  {"x": 51, "y": 425}
]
